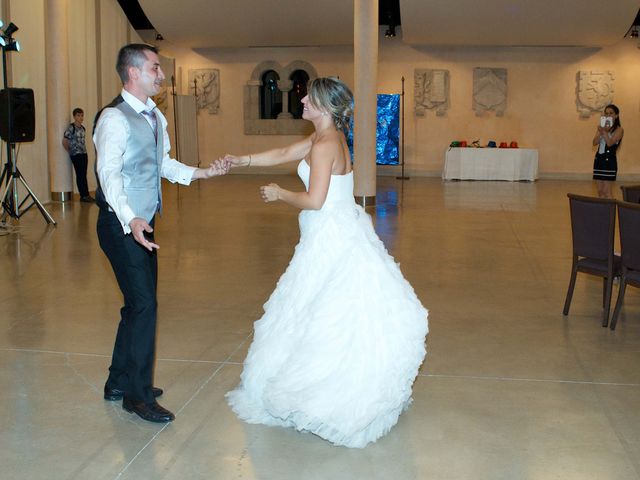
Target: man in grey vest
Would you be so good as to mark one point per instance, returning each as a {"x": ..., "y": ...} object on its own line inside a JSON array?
[{"x": 132, "y": 148}]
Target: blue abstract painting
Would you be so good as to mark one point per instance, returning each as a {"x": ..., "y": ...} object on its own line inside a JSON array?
[{"x": 387, "y": 130}]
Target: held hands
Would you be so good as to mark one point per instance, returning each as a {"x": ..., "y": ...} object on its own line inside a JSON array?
[
  {"x": 270, "y": 193},
  {"x": 237, "y": 160},
  {"x": 217, "y": 168},
  {"x": 138, "y": 227}
]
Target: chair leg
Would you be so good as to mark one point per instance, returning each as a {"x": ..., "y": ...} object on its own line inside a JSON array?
[
  {"x": 572, "y": 284},
  {"x": 604, "y": 291},
  {"x": 616, "y": 310},
  {"x": 607, "y": 301}
]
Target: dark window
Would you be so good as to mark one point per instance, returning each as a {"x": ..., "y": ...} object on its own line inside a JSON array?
[
  {"x": 298, "y": 91},
  {"x": 270, "y": 95}
]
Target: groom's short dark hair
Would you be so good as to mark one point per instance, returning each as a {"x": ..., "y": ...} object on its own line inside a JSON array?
[{"x": 132, "y": 55}]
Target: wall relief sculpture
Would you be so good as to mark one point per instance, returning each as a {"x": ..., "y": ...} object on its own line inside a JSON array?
[
  {"x": 594, "y": 91},
  {"x": 204, "y": 84},
  {"x": 430, "y": 91},
  {"x": 489, "y": 90}
]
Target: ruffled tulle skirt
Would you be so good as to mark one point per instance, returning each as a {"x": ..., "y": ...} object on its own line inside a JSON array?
[{"x": 342, "y": 337}]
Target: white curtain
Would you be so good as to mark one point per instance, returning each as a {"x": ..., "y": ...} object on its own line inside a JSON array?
[{"x": 187, "y": 134}]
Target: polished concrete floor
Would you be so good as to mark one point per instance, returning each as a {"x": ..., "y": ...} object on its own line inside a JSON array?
[{"x": 510, "y": 388}]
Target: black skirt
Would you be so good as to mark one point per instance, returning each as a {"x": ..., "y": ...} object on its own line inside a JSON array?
[{"x": 605, "y": 167}]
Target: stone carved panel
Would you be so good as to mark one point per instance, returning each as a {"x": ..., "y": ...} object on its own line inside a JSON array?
[
  {"x": 489, "y": 90},
  {"x": 594, "y": 91},
  {"x": 430, "y": 91},
  {"x": 204, "y": 84}
]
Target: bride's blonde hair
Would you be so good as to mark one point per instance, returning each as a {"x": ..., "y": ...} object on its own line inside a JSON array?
[{"x": 333, "y": 96}]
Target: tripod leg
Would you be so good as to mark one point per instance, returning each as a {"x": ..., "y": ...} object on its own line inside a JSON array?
[
  {"x": 47, "y": 216},
  {"x": 14, "y": 200},
  {"x": 5, "y": 173},
  {"x": 7, "y": 208}
]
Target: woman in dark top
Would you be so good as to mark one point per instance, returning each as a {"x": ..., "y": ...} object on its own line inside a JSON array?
[{"x": 607, "y": 138}]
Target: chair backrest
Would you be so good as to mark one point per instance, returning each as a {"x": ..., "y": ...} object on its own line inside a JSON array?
[
  {"x": 629, "y": 221},
  {"x": 593, "y": 223},
  {"x": 630, "y": 193}
]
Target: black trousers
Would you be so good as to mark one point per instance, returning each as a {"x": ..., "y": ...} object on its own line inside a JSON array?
[
  {"x": 80, "y": 162},
  {"x": 136, "y": 271}
]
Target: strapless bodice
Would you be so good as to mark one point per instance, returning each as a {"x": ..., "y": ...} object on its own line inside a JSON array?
[{"x": 340, "y": 186}]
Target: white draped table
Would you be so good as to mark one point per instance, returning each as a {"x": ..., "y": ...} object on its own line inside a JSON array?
[{"x": 512, "y": 164}]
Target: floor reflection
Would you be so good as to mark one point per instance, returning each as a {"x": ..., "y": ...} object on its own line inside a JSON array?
[
  {"x": 477, "y": 195},
  {"x": 508, "y": 381}
]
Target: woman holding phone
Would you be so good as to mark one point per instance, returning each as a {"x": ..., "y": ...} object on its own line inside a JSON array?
[{"x": 608, "y": 137}]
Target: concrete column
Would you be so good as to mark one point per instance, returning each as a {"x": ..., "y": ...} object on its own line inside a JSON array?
[
  {"x": 285, "y": 88},
  {"x": 365, "y": 99},
  {"x": 58, "y": 101}
]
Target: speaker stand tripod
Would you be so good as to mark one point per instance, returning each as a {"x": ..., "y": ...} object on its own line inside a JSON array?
[{"x": 10, "y": 203}]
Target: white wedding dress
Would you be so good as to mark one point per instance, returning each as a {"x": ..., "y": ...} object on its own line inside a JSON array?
[{"x": 343, "y": 334}]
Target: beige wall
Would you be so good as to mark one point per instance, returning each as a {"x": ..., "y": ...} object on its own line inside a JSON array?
[
  {"x": 106, "y": 31},
  {"x": 28, "y": 71},
  {"x": 97, "y": 29},
  {"x": 541, "y": 110},
  {"x": 114, "y": 32},
  {"x": 223, "y": 132},
  {"x": 83, "y": 71}
]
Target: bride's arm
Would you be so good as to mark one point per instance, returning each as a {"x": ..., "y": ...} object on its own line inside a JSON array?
[
  {"x": 321, "y": 160},
  {"x": 295, "y": 151}
]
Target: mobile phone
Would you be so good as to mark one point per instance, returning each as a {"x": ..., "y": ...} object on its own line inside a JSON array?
[{"x": 606, "y": 121}]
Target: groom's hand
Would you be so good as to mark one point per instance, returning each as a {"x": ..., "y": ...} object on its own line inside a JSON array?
[
  {"x": 221, "y": 166},
  {"x": 217, "y": 168},
  {"x": 138, "y": 226}
]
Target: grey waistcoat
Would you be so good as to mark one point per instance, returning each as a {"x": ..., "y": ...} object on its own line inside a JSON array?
[
  {"x": 141, "y": 163},
  {"x": 141, "y": 168}
]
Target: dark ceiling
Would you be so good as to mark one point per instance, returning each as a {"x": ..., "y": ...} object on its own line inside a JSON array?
[
  {"x": 136, "y": 16},
  {"x": 388, "y": 14}
]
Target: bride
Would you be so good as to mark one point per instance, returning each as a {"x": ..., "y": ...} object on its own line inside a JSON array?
[{"x": 343, "y": 334}]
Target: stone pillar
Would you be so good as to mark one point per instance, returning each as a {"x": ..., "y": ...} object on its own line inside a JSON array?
[
  {"x": 285, "y": 88},
  {"x": 365, "y": 99},
  {"x": 58, "y": 98}
]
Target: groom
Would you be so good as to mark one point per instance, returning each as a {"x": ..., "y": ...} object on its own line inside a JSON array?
[{"x": 132, "y": 146}]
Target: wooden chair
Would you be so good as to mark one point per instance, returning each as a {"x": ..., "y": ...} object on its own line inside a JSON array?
[
  {"x": 630, "y": 193},
  {"x": 629, "y": 222},
  {"x": 593, "y": 229}
]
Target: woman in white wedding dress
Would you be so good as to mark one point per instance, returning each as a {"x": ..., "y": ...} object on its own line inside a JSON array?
[{"x": 343, "y": 334}]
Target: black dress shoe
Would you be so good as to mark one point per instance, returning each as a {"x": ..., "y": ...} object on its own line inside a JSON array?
[
  {"x": 113, "y": 394},
  {"x": 151, "y": 412}
]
